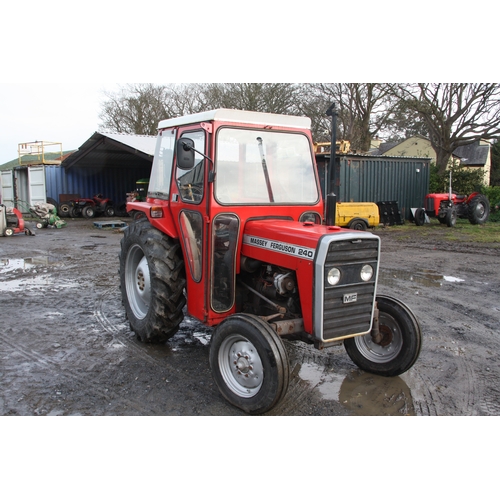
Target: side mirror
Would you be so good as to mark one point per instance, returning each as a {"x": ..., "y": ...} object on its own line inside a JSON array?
[{"x": 185, "y": 153}]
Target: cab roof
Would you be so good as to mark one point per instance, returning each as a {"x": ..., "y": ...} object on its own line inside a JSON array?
[{"x": 239, "y": 116}]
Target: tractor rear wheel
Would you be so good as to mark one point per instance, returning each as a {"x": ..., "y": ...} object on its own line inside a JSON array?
[
  {"x": 249, "y": 363},
  {"x": 400, "y": 345},
  {"x": 478, "y": 209},
  {"x": 152, "y": 282}
]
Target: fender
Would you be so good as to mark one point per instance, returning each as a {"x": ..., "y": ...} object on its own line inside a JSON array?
[
  {"x": 163, "y": 222},
  {"x": 469, "y": 199}
]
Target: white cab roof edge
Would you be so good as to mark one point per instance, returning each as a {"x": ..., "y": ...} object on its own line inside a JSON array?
[{"x": 239, "y": 116}]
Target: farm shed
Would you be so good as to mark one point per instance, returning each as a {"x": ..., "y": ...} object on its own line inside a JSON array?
[
  {"x": 364, "y": 178},
  {"x": 106, "y": 163}
]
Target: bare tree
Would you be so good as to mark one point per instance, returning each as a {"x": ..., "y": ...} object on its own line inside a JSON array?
[
  {"x": 135, "y": 109},
  {"x": 281, "y": 98},
  {"x": 455, "y": 114},
  {"x": 364, "y": 109}
]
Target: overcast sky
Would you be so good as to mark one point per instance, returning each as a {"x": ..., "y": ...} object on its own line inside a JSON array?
[{"x": 66, "y": 113}]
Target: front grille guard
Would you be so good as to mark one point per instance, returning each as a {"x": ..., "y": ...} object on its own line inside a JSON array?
[{"x": 332, "y": 319}]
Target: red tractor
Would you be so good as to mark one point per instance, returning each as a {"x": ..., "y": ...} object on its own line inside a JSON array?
[
  {"x": 233, "y": 226},
  {"x": 446, "y": 207}
]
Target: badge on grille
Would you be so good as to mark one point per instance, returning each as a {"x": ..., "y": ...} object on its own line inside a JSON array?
[{"x": 350, "y": 297}]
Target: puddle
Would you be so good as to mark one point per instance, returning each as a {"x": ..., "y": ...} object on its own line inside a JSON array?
[
  {"x": 32, "y": 280},
  {"x": 452, "y": 279},
  {"x": 36, "y": 283},
  {"x": 8, "y": 265},
  {"x": 425, "y": 278},
  {"x": 362, "y": 393}
]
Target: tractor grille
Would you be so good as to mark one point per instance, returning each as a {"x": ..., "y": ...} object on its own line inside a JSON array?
[{"x": 342, "y": 317}]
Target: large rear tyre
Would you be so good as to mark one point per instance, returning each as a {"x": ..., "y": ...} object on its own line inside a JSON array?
[
  {"x": 400, "y": 345},
  {"x": 152, "y": 282},
  {"x": 249, "y": 363},
  {"x": 478, "y": 209}
]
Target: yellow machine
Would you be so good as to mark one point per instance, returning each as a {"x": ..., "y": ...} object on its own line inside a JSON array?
[
  {"x": 357, "y": 215},
  {"x": 354, "y": 215}
]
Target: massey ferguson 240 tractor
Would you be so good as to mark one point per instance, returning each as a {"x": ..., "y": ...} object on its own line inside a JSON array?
[{"x": 234, "y": 226}]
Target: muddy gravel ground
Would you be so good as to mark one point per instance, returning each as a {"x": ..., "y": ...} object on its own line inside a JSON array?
[{"x": 67, "y": 349}]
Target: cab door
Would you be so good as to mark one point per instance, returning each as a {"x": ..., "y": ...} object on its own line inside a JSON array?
[{"x": 189, "y": 210}]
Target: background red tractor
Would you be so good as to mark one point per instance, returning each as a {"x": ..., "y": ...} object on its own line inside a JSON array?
[
  {"x": 447, "y": 207},
  {"x": 90, "y": 208}
]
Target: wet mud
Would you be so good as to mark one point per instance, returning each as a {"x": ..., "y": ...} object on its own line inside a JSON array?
[{"x": 67, "y": 349}]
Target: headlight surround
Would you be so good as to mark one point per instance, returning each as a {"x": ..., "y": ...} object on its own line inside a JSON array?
[
  {"x": 366, "y": 272},
  {"x": 313, "y": 217},
  {"x": 333, "y": 276}
]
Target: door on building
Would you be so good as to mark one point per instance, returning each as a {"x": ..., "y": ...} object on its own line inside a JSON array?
[
  {"x": 7, "y": 194},
  {"x": 36, "y": 181}
]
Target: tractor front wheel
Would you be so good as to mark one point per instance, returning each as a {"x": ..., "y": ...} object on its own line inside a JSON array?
[
  {"x": 451, "y": 217},
  {"x": 152, "y": 282},
  {"x": 419, "y": 216},
  {"x": 478, "y": 210},
  {"x": 399, "y": 346},
  {"x": 249, "y": 363}
]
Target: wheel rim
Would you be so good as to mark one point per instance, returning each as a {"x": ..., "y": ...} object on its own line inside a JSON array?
[
  {"x": 390, "y": 346},
  {"x": 241, "y": 366},
  {"x": 137, "y": 282},
  {"x": 480, "y": 210}
]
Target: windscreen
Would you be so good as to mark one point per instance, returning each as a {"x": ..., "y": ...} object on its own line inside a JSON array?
[{"x": 264, "y": 167}]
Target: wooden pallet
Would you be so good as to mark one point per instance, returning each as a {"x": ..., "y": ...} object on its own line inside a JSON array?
[{"x": 110, "y": 224}]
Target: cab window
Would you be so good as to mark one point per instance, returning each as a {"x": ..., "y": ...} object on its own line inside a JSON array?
[{"x": 190, "y": 182}]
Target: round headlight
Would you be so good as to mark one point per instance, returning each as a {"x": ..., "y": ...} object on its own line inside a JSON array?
[
  {"x": 333, "y": 276},
  {"x": 366, "y": 272}
]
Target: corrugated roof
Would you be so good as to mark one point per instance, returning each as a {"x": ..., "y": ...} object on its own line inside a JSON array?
[
  {"x": 105, "y": 149},
  {"x": 144, "y": 143}
]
